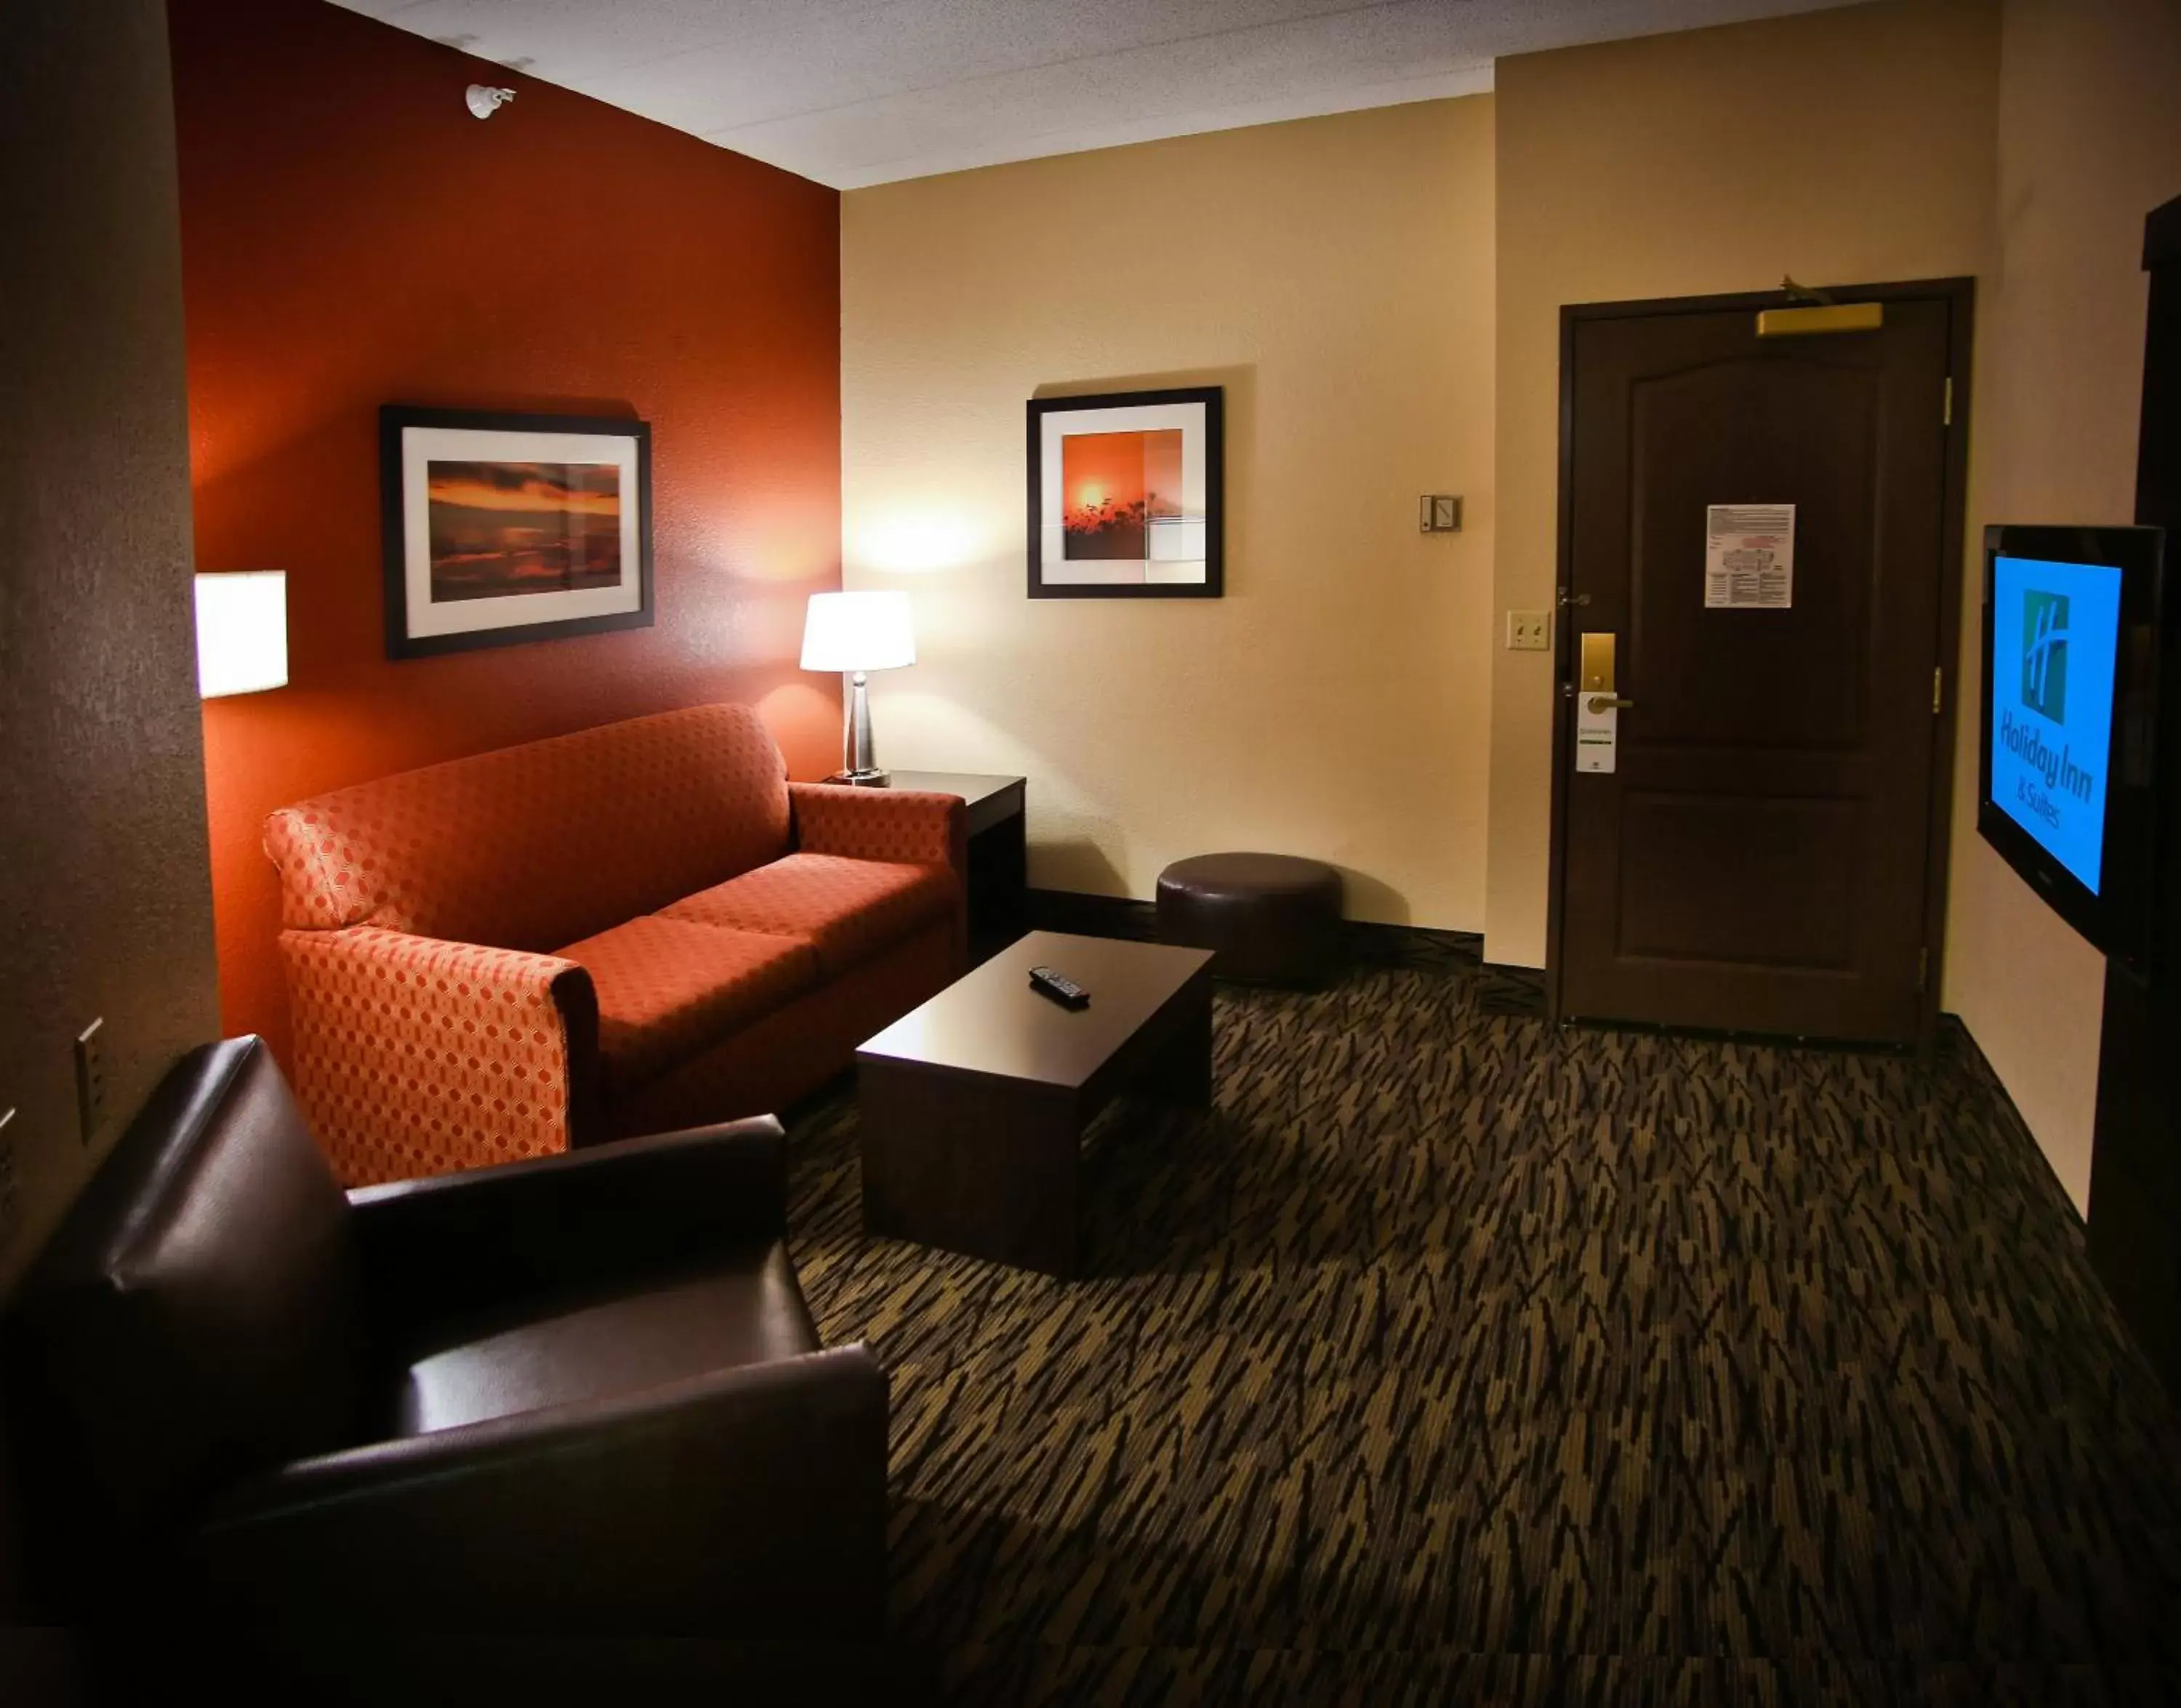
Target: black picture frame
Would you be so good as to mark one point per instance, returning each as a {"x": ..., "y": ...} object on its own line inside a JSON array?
[
  {"x": 631, "y": 441},
  {"x": 1212, "y": 398}
]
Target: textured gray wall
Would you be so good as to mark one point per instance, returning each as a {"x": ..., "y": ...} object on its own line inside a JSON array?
[{"x": 105, "y": 893}]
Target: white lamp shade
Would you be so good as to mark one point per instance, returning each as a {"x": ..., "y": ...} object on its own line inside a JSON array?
[
  {"x": 858, "y": 631},
  {"x": 242, "y": 632}
]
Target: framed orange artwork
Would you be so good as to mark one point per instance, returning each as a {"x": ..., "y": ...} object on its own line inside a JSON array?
[
  {"x": 1127, "y": 495},
  {"x": 506, "y": 528}
]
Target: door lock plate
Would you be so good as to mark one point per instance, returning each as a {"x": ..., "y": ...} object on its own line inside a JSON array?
[{"x": 1597, "y": 663}]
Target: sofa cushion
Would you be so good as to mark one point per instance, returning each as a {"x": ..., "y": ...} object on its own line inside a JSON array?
[
  {"x": 608, "y": 1340},
  {"x": 532, "y": 845},
  {"x": 847, "y": 909},
  {"x": 669, "y": 988}
]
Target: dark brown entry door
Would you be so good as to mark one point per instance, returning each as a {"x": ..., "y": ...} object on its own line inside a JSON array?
[{"x": 1757, "y": 859}]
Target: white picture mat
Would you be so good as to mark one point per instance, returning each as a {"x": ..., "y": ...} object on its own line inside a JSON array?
[
  {"x": 1056, "y": 569},
  {"x": 422, "y": 446}
]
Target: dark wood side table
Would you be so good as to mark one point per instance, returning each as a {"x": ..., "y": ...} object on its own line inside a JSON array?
[
  {"x": 998, "y": 872},
  {"x": 973, "y": 1106}
]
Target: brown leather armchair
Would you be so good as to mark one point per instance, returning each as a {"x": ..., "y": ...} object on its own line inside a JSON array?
[{"x": 582, "y": 1394}]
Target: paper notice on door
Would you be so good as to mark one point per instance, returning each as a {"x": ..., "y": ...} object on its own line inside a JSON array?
[{"x": 1749, "y": 556}]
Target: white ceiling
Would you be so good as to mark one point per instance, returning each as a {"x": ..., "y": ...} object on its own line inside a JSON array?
[{"x": 853, "y": 92}]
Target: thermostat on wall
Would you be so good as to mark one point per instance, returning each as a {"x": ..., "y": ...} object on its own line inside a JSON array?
[{"x": 1440, "y": 513}]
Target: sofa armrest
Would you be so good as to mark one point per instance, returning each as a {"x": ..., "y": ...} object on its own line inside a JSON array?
[
  {"x": 911, "y": 825},
  {"x": 750, "y": 1501},
  {"x": 456, "y": 1242},
  {"x": 417, "y": 1055}
]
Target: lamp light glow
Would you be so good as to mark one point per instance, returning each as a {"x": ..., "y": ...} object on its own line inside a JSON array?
[
  {"x": 242, "y": 632},
  {"x": 916, "y": 541}
]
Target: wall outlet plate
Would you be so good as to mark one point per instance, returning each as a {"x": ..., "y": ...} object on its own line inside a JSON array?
[
  {"x": 10, "y": 1208},
  {"x": 1529, "y": 631},
  {"x": 90, "y": 1080}
]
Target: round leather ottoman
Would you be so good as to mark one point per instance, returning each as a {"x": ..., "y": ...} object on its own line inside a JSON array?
[{"x": 1270, "y": 918}]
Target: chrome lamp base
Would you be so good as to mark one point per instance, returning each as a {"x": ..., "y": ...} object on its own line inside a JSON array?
[{"x": 859, "y": 766}]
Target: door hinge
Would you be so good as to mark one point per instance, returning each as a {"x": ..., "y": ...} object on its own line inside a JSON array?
[
  {"x": 1923, "y": 969},
  {"x": 1938, "y": 689},
  {"x": 1948, "y": 419}
]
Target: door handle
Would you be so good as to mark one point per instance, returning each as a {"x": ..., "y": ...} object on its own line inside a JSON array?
[{"x": 1608, "y": 702}]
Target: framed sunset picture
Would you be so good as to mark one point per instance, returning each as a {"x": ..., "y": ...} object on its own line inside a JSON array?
[
  {"x": 1126, "y": 495},
  {"x": 506, "y": 528}
]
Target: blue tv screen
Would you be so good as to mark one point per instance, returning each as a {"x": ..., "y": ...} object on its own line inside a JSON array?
[
  {"x": 2056, "y": 635},
  {"x": 2073, "y": 638}
]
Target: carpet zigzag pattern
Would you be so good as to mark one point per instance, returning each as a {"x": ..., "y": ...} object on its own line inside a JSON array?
[{"x": 1455, "y": 1358}]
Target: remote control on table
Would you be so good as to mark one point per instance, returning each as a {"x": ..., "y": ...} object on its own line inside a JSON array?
[{"x": 1059, "y": 987}]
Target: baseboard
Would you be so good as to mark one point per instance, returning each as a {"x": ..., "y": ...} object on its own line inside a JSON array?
[
  {"x": 1370, "y": 942},
  {"x": 1511, "y": 991},
  {"x": 1091, "y": 916}
]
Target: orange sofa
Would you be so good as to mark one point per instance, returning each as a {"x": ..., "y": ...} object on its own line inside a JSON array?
[{"x": 631, "y": 929}]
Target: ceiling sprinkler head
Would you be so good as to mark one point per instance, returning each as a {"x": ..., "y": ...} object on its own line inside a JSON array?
[{"x": 485, "y": 101}]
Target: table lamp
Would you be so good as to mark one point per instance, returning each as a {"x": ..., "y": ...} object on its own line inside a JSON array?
[
  {"x": 852, "y": 633},
  {"x": 242, "y": 632}
]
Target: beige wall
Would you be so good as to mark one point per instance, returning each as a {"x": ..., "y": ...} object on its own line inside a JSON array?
[
  {"x": 1340, "y": 276},
  {"x": 1335, "y": 275},
  {"x": 1841, "y": 146},
  {"x": 105, "y": 896},
  {"x": 2089, "y": 141}
]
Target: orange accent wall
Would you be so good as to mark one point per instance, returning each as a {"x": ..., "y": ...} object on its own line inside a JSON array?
[{"x": 350, "y": 237}]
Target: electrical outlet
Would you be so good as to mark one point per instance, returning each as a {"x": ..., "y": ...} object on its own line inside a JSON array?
[
  {"x": 90, "y": 1080},
  {"x": 1529, "y": 631},
  {"x": 8, "y": 1216}
]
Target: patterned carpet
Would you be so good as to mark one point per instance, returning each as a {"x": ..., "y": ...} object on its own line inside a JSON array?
[{"x": 1454, "y": 1360}]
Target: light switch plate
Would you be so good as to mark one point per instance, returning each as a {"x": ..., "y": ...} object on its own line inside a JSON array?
[
  {"x": 1440, "y": 512},
  {"x": 1529, "y": 631}
]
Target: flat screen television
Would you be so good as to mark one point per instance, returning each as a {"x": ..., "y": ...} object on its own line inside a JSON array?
[{"x": 2069, "y": 714}]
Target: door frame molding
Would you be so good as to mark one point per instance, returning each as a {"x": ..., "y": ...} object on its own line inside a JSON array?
[{"x": 1959, "y": 295}]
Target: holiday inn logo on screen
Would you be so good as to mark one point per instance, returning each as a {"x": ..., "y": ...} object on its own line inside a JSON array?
[
  {"x": 2051, "y": 724},
  {"x": 2045, "y": 653}
]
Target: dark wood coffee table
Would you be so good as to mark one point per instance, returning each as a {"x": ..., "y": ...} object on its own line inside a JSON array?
[{"x": 974, "y": 1105}]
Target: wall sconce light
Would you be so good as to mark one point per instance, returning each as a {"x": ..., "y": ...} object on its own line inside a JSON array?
[
  {"x": 483, "y": 100},
  {"x": 242, "y": 633}
]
